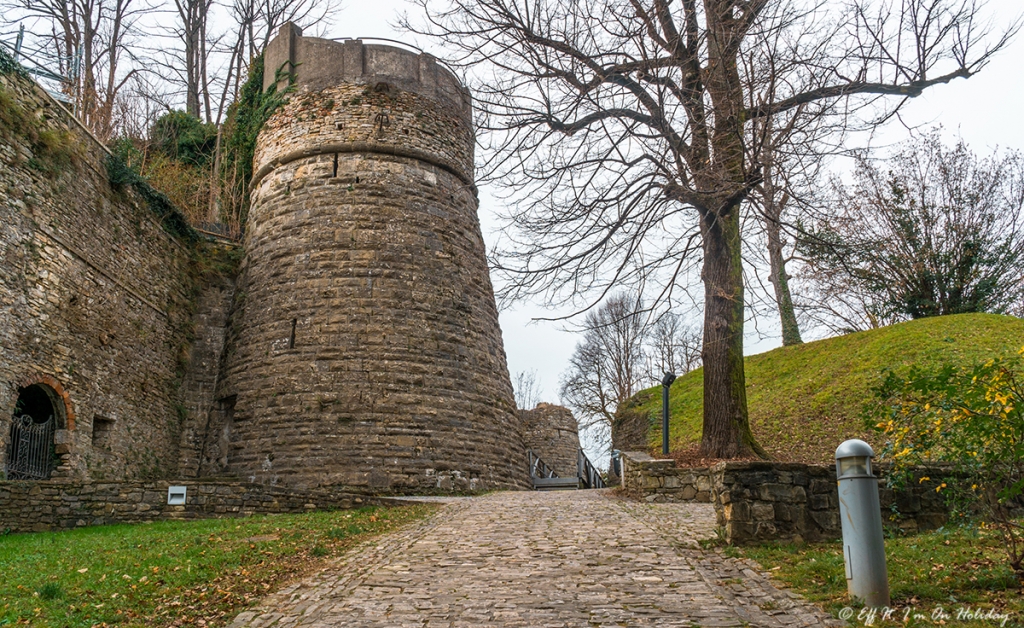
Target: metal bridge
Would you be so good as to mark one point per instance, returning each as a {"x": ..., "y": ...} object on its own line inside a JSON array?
[{"x": 544, "y": 477}]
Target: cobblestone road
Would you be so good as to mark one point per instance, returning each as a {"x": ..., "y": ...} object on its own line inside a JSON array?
[{"x": 528, "y": 559}]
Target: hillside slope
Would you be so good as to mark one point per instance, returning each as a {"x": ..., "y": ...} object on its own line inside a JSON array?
[{"x": 805, "y": 400}]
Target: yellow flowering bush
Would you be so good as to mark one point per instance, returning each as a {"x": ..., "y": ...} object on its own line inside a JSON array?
[{"x": 971, "y": 418}]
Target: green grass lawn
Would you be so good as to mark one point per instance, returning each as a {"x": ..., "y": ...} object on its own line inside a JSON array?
[
  {"x": 805, "y": 400},
  {"x": 949, "y": 569},
  {"x": 166, "y": 573}
]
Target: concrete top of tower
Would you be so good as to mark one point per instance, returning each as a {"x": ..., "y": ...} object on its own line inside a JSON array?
[{"x": 319, "y": 63}]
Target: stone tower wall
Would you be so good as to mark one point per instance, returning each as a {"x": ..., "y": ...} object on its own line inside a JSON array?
[
  {"x": 552, "y": 434},
  {"x": 365, "y": 348}
]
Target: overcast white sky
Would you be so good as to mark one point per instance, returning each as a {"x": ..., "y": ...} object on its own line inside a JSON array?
[{"x": 987, "y": 110}]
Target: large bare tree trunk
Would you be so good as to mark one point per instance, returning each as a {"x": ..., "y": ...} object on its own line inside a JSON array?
[{"x": 726, "y": 432}]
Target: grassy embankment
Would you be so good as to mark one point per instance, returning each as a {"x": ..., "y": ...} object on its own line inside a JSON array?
[
  {"x": 805, "y": 400},
  {"x": 195, "y": 573}
]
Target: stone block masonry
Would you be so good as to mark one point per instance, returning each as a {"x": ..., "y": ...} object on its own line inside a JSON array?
[
  {"x": 652, "y": 480},
  {"x": 41, "y": 506},
  {"x": 771, "y": 501},
  {"x": 355, "y": 345},
  {"x": 94, "y": 299},
  {"x": 551, "y": 433},
  {"x": 364, "y": 349}
]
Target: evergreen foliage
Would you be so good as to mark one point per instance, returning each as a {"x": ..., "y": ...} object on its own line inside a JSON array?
[
  {"x": 9, "y": 66},
  {"x": 185, "y": 138},
  {"x": 245, "y": 118}
]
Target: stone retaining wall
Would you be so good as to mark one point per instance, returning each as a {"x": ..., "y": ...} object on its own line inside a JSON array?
[
  {"x": 652, "y": 480},
  {"x": 54, "y": 505},
  {"x": 95, "y": 297},
  {"x": 762, "y": 501}
]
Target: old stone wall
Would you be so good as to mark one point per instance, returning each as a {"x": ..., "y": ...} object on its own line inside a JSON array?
[
  {"x": 644, "y": 477},
  {"x": 39, "y": 506},
  {"x": 762, "y": 501},
  {"x": 94, "y": 296},
  {"x": 203, "y": 450},
  {"x": 551, "y": 433},
  {"x": 365, "y": 350}
]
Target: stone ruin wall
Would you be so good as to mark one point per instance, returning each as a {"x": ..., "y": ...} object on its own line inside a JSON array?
[
  {"x": 94, "y": 301},
  {"x": 365, "y": 349},
  {"x": 552, "y": 434}
]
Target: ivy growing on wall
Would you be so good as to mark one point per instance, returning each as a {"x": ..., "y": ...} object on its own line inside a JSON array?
[
  {"x": 121, "y": 174},
  {"x": 9, "y": 66},
  {"x": 245, "y": 118}
]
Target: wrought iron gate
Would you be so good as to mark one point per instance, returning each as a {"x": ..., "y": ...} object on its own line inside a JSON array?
[{"x": 30, "y": 450}]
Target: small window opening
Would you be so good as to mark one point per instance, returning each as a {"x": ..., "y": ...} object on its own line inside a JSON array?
[
  {"x": 102, "y": 430},
  {"x": 291, "y": 338},
  {"x": 335, "y": 165}
]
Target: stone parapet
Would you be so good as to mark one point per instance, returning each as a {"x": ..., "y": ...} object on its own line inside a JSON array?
[
  {"x": 351, "y": 97},
  {"x": 644, "y": 477}
]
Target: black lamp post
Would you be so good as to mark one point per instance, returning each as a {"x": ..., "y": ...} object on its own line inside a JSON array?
[{"x": 666, "y": 381}]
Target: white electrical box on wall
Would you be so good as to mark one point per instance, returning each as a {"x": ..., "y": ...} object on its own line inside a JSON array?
[{"x": 176, "y": 495}]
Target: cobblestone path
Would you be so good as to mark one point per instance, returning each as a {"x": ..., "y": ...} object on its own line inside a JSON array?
[{"x": 537, "y": 560}]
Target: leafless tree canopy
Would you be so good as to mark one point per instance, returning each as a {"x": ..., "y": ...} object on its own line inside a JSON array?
[
  {"x": 932, "y": 230},
  {"x": 527, "y": 390},
  {"x": 91, "y": 42},
  {"x": 672, "y": 345},
  {"x": 607, "y": 366},
  {"x": 128, "y": 61},
  {"x": 625, "y": 133}
]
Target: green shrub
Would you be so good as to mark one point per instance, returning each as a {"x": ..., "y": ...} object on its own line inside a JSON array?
[
  {"x": 185, "y": 138},
  {"x": 972, "y": 418}
]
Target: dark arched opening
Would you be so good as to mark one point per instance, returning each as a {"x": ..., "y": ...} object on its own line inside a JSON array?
[{"x": 30, "y": 449}]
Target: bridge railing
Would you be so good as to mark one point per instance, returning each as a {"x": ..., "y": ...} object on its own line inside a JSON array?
[
  {"x": 588, "y": 474},
  {"x": 538, "y": 468}
]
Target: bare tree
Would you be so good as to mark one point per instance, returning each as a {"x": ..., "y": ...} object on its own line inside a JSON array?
[
  {"x": 933, "y": 230},
  {"x": 608, "y": 364},
  {"x": 527, "y": 390},
  {"x": 623, "y": 130},
  {"x": 673, "y": 345},
  {"x": 89, "y": 42},
  {"x": 787, "y": 178}
]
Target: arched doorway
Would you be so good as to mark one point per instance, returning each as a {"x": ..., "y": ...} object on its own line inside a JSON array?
[{"x": 30, "y": 449}]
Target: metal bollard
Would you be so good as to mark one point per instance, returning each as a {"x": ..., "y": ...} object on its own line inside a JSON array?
[{"x": 863, "y": 543}]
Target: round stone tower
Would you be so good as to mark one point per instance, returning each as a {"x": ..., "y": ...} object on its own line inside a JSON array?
[{"x": 365, "y": 349}]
